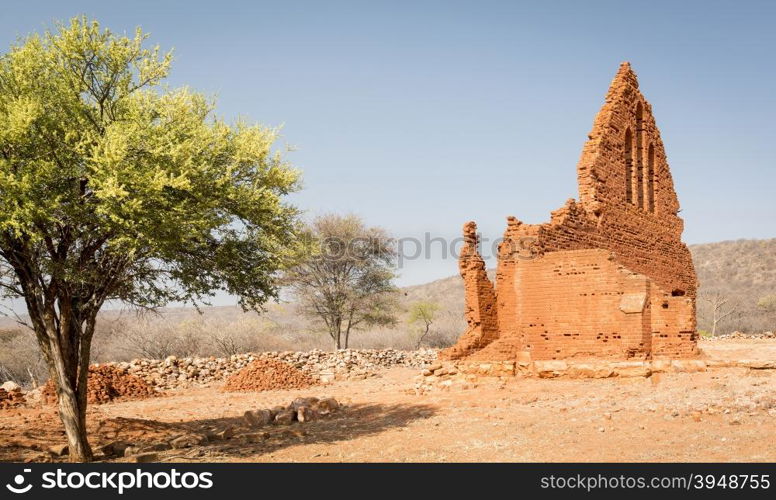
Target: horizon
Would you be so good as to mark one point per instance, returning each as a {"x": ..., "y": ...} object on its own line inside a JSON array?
[{"x": 448, "y": 113}]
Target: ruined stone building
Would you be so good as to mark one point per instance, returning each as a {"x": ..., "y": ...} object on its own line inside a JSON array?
[{"x": 608, "y": 276}]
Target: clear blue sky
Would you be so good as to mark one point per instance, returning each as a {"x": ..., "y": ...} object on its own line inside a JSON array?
[{"x": 422, "y": 115}]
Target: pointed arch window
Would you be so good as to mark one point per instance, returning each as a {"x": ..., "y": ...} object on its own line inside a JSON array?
[
  {"x": 628, "y": 152},
  {"x": 649, "y": 178},
  {"x": 638, "y": 174}
]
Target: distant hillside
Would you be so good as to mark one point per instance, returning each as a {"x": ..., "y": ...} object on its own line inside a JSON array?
[{"x": 742, "y": 271}]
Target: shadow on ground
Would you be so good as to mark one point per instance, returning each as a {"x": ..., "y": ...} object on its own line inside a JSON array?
[{"x": 350, "y": 422}]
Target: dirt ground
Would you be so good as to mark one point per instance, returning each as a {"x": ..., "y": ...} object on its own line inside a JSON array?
[{"x": 724, "y": 414}]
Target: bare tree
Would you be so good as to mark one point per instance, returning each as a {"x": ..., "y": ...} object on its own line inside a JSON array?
[
  {"x": 348, "y": 282},
  {"x": 722, "y": 308}
]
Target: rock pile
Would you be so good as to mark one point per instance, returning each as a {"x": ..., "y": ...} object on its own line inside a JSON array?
[
  {"x": 300, "y": 410},
  {"x": 742, "y": 335},
  {"x": 11, "y": 398},
  {"x": 323, "y": 366},
  {"x": 106, "y": 383},
  {"x": 267, "y": 375}
]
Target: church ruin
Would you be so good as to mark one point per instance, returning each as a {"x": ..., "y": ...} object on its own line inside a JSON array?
[{"x": 608, "y": 276}]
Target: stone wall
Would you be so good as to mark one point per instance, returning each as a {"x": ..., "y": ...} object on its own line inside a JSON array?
[
  {"x": 607, "y": 276},
  {"x": 324, "y": 366}
]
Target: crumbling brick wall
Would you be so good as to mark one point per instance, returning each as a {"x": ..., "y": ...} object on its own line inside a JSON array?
[
  {"x": 608, "y": 275},
  {"x": 481, "y": 319}
]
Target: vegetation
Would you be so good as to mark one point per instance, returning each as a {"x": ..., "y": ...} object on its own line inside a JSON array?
[
  {"x": 423, "y": 312},
  {"x": 114, "y": 188},
  {"x": 721, "y": 307},
  {"x": 347, "y": 283},
  {"x": 767, "y": 303},
  {"x": 744, "y": 271}
]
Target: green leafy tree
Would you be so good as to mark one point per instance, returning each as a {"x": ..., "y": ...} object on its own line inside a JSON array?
[
  {"x": 115, "y": 188},
  {"x": 347, "y": 283},
  {"x": 423, "y": 313}
]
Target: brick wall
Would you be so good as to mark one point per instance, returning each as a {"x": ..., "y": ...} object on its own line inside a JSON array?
[{"x": 608, "y": 275}]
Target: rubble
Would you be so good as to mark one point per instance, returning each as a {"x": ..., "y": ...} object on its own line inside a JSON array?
[
  {"x": 106, "y": 383},
  {"x": 11, "y": 398},
  {"x": 266, "y": 375},
  {"x": 741, "y": 335}
]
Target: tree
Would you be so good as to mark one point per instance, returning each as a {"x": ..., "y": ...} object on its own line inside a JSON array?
[
  {"x": 347, "y": 283},
  {"x": 423, "y": 312},
  {"x": 721, "y": 308},
  {"x": 767, "y": 303},
  {"x": 115, "y": 188}
]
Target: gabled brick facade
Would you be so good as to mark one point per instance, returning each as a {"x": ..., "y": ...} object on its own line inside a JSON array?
[{"x": 608, "y": 275}]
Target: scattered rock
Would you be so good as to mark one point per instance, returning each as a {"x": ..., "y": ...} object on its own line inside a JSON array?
[
  {"x": 305, "y": 414},
  {"x": 258, "y": 418},
  {"x": 741, "y": 335},
  {"x": 12, "y": 398},
  {"x": 255, "y": 437},
  {"x": 285, "y": 417},
  {"x": 59, "y": 450},
  {"x": 300, "y": 402},
  {"x": 326, "y": 406},
  {"x": 550, "y": 369},
  {"x": 145, "y": 458},
  {"x": 10, "y": 386},
  {"x": 114, "y": 449},
  {"x": 225, "y": 434},
  {"x": 185, "y": 441}
]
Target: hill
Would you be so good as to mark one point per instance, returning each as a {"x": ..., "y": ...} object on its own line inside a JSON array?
[{"x": 740, "y": 272}]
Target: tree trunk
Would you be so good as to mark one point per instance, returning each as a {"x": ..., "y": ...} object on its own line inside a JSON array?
[
  {"x": 69, "y": 345},
  {"x": 347, "y": 331},
  {"x": 73, "y": 416},
  {"x": 337, "y": 336},
  {"x": 420, "y": 340}
]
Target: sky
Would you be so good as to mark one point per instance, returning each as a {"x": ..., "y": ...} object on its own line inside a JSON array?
[{"x": 421, "y": 115}]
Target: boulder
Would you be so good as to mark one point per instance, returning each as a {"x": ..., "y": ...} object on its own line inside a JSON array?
[
  {"x": 688, "y": 365},
  {"x": 589, "y": 370},
  {"x": 114, "y": 449},
  {"x": 326, "y": 406},
  {"x": 185, "y": 441},
  {"x": 300, "y": 402},
  {"x": 10, "y": 386},
  {"x": 258, "y": 418},
  {"x": 550, "y": 368},
  {"x": 145, "y": 458},
  {"x": 59, "y": 450},
  {"x": 632, "y": 369},
  {"x": 285, "y": 417},
  {"x": 305, "y": 414}
]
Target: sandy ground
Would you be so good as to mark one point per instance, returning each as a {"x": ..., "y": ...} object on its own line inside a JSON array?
[{"x": 724, "y": 414}]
